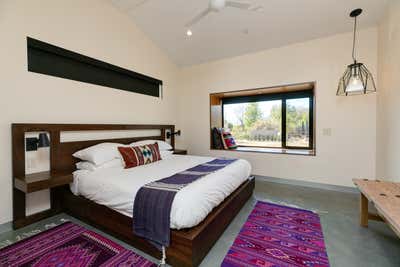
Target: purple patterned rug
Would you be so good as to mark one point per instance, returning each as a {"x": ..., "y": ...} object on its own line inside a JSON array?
[
  {"x": 276, "y": 236},
  {"x": 69, "y": 245}
]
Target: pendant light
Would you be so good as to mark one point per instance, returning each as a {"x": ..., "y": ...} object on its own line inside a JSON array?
[{"x": 357, "y": 79}]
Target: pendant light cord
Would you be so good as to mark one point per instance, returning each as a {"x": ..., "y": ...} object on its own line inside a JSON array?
[{"x": 354, "y": 40}]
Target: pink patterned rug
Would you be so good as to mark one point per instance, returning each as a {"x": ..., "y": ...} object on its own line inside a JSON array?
[
  {"x": 277, "y": 236},
  {"x": 69, "y": 245}
]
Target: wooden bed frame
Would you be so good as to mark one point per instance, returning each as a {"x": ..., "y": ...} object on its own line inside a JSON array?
[{"x": 188, "y": 247}]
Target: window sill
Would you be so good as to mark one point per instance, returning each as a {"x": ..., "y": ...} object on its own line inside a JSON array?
[{"x": 301, "y": 152}]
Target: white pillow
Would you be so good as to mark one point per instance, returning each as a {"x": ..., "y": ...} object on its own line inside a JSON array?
[
  {"x": 89, "y": 166},
  {"x": 165, "y": 154},
  {"x": 161, "y": 144},
  {"x": 100, "y": 153}
]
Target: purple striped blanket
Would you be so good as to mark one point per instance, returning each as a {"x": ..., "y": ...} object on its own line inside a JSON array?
[{"x": 153, "y": 202}]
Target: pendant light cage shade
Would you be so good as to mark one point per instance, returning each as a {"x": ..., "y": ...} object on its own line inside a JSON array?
[{"x": 357, "y": 80}]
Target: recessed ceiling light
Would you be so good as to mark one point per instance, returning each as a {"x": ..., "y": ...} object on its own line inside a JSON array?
[{"x": 189, "y": 33}]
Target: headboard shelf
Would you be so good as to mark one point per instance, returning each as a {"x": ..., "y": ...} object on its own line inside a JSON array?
[
  {"x": 61, "y": 160},
  {"x": 34, "y": 127},
  {"x": 62, "y": 163}
]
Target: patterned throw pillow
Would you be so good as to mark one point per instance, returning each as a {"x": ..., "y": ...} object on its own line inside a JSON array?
[
  {"x": 228, "y": 140},
  {"x": 140, "y": 155}
]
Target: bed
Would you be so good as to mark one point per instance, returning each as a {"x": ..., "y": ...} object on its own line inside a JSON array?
[
  {"x": 116, "y": 187},
  {"x": 104, "y": 198}
]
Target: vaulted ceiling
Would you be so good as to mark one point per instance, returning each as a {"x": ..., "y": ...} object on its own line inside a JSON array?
[{"x": 232, "y": 32}]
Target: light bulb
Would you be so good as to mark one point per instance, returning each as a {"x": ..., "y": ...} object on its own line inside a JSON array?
[
  {"x": 189, "y": 33},
  {"x": 355, "y": 84}
]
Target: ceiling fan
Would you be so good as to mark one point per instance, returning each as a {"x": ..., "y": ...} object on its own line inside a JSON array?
[{"x": 217, "y": 6}]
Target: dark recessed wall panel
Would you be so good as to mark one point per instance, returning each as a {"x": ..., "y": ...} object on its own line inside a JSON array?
[{"x": 51, "y": 60}]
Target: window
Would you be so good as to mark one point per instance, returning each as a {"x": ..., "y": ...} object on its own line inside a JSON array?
[
  {"x": 45, "y": 58},
  {"x": 256, "y": 124},
  {"x": 275, "y": 120}
]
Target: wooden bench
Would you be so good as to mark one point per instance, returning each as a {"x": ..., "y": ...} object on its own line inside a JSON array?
[{"x": 386, "y": 198}]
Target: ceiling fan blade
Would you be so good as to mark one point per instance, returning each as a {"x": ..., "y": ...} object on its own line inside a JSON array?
[
  {"x": 198, "y": 17},
  {"x": 238, "y": 5}
]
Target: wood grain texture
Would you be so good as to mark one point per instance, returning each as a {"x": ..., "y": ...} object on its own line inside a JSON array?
[
  {"x": 188, "y": 246},
  {"x": 62, "y": 164},
  {"x": 386, "y": 198},
  {"x": 42, "y": 180},
  {"x": 216, "y": 97},
  {"x": 180, "y": 151},
  {"x": 363, "y": 211}
]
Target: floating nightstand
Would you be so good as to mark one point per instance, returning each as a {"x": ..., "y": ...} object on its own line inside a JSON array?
[
  {"x": 180, "y": 151},
  {"x": 32, "y": 183}
]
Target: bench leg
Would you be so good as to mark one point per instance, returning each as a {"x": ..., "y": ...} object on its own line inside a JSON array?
[{"x": 363, "y": 211}]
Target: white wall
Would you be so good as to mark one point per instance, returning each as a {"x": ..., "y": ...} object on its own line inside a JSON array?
[
  {"x": 95, "y": 28},
  {"x": 90, "y": 27},
  {"x": 388, "y": 135},
  {"x": 348, "y": 153}
]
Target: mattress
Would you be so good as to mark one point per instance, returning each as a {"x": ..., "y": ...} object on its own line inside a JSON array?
[{"x": 116, "y": 187}]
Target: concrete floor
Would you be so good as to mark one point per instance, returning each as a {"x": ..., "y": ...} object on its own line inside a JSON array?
[{"x": 347, "y": 243}]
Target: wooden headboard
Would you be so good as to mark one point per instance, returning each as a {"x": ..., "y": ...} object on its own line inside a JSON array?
[{"x": 61, "y": 160}]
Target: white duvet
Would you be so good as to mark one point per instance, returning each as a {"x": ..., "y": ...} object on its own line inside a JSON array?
[{"x": 116, "y": 187}]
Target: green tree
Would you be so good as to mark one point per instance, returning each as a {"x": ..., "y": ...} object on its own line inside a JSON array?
[
  {"x": 252, "y": 114},
  {"x": 275, "y": 117},
  {"x": 296, "y": 119},
  {"x": 239, "y": 114}
]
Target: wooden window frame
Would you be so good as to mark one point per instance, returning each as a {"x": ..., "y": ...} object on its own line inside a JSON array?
[{"x": 283, "y": 93}]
